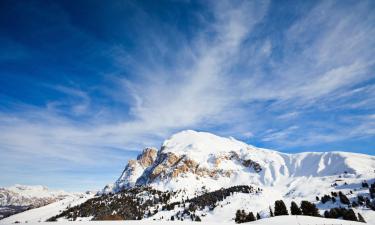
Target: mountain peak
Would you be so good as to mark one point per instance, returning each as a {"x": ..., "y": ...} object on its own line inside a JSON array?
[{"x": 199, "y": 145}]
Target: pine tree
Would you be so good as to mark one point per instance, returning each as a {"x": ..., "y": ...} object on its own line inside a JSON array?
[
  {"x": 240, "y": 216},
  {"x": 309, "y": 209},
  {"x": 350, "y": 215},
  {"x": 325, "y": 199},
  {"x": 343, "y": 198},
  {"x": 250, "y": 217},
  {"x": 372, "y": 190},
  {"x": 258, "y": 216},
  {"x": 280, "y": 208},
  {"x": 327, "y": 214},
  {"x": 294, "y": 209},
  {"x": 237, "y": 219}
]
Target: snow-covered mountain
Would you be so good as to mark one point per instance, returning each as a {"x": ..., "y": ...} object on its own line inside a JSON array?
[
  {"x": 23, "y": 195},
  {"x": 196, "y": 162},
  {"x": 204, "y": 159},
  {"x": 19, "y": 198}
]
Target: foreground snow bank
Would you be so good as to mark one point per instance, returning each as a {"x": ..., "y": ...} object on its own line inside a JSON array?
[
  {"x": 303, "y": 220},
  {"x": 286, "y": 220}
]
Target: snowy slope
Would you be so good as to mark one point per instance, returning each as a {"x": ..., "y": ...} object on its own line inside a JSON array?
[
  {"x": 18, "y": 198},
  {"x": 41, "y": 214}
]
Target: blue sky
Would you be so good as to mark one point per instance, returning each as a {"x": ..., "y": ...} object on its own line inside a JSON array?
[{"x": 85, "y": 85}]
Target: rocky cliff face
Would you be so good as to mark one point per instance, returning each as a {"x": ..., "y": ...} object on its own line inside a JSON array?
[
  {"x": 133, "y": 170},
  {"x": 169, "y": 166}
]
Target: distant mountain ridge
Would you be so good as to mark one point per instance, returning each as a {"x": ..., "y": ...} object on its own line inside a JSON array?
[
  {"x": 19, "y": 198},
  {"x": 23, "y": 195}
]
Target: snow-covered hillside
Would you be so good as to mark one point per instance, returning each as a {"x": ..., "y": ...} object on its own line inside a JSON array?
[{"x": 41, "y": 214}]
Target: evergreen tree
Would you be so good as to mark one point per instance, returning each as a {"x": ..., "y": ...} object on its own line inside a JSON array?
[
  {"x": 250, "y": 217},
  {"x": 372, "y": 190},
  {"x": 361, "y": 219},
  {"x": 240, "y": 216},
  {"x": 344, "y": 199},
  {"x": 349, "y": 215},
  {"x": 325, "y": 199},
  {"x": 309, "y": 209},
  {"x": 280, "y": 208},
  {"x": 364, "y": 184},
  {"x": 294, "y": 209},
  {"x": 258, "y": 216}
]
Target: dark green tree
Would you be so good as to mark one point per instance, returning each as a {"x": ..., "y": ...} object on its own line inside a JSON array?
[
  {"x": 372, "y": 190},
  {"x": 344, "y": 199},
  {"x": 250, "y": 217},
  {"x": 309, "y": 209},
  {"x": 280, "y": 208},
  {"x": 349, "y": 215},
  {"x": 240, "y": 216},
  {"x": 295, "y": 209}
]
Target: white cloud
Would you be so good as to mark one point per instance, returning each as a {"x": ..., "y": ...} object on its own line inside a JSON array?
[{"x": 162, "y": 99}]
